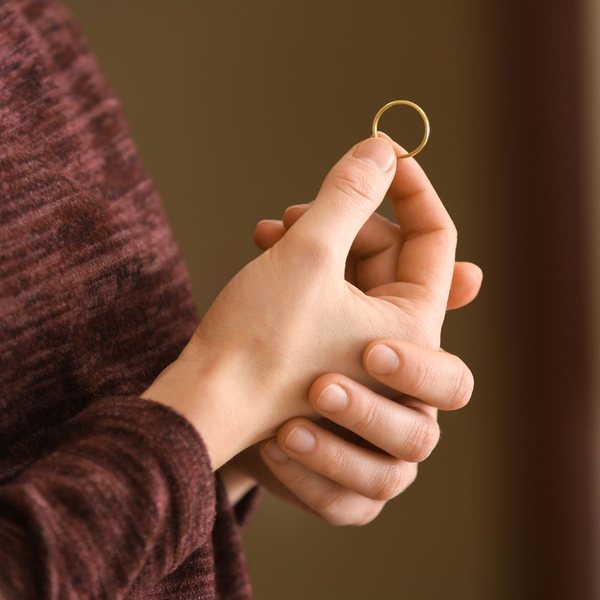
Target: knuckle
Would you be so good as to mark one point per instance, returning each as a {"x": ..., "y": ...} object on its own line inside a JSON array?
[
  {"x": 444, "y": 237},
  {"x": 336, "y": 464},
  {"x": 447, "y": 238},
  {"x": 367, "y": 418},
  {"x": 353, "y": 186},
  {"x": 447, "y": 233},
  {"x": 452, "y": 237},
  {"x": 423, "y": 438},
  {"x": 301, "y": 479},
  {"x": 313, "y": 251},
  {"x": 420, "y": 375},
  {"x": 452, "y": 231},
  {"x": 390, "y": 484}
]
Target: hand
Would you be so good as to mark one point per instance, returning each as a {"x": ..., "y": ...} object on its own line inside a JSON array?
[
  {"x": 348, "y": 482},
  {"x": 375, "y": 248},
  {"x": 374, "y": 254},
  {"x": 290, "y": 316},
  {"x": 366, "y": 451}
]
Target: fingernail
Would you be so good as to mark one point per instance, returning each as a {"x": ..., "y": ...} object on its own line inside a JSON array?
[
  {"x": 274, "y": 452},
  {"x": 306, "y": 206},
  {"x": 382, "y": 360},
  {"x": 333, "y": 398},
  {"x": 376, "y": 152},
  {"x": 300, "y": 440},
  {"x": 271, "y": 221}
]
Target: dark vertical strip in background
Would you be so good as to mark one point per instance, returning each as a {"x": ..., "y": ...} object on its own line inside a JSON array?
[{"x": 542, "y": 44}]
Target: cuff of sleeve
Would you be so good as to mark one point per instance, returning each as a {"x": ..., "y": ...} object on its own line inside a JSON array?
[
  {"x": 155, "y": 433},
  {"x": 247, "y": 507}
]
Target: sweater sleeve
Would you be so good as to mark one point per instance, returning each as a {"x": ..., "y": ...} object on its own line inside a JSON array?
[
  {"x": 127, "y": 491},
  {"x": 247, "y": 506}
]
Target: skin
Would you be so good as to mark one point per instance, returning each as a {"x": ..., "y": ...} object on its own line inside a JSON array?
[
  {"x": 403, "y": 432},
  {"x": 240, "y": 380}
]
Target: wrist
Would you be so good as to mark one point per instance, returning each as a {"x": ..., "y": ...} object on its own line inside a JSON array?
[
  {"x": 203, "y": 390},
  {"x": 237, "y": 479}
]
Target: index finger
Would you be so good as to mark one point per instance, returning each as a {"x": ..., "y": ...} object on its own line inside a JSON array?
[
  {"x": 433, "y": 376},
  {"x": 426, "y": 262}
]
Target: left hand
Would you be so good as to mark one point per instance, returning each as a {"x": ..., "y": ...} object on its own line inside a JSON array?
[{"x": 347, "y": 473}]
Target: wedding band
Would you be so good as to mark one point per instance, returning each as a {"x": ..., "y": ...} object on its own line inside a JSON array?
[{"x": 423, "y": 116}]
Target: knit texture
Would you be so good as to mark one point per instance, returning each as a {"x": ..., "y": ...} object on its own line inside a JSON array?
[{"x": 102, "y": 494}]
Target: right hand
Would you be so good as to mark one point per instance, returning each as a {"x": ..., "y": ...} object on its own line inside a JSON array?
[
  {"x": 290, "y": 316},
  {"x": 374, "y": 254}
]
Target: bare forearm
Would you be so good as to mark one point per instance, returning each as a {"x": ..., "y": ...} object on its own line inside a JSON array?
[
  {"x": 236, "y": 482},
  {"x": 201, "y": 392}
]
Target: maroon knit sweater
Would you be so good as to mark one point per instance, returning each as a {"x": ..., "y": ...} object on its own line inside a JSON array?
[{"x": 102, "y": 494}]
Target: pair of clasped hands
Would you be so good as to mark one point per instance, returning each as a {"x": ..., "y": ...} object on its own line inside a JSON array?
[{"x": 317, "y": 371}]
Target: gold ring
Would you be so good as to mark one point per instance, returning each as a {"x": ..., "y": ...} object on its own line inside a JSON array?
[{"x": 423, "y": 116}]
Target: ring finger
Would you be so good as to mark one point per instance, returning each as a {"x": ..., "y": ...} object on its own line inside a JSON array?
[{"x": 321, "y": 495}]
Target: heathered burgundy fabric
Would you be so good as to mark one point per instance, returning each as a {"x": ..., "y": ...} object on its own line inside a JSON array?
[{"x": 102, "y": 494}]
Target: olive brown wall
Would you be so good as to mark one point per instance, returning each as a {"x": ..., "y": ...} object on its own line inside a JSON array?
[{"x": 239, "y": 110}]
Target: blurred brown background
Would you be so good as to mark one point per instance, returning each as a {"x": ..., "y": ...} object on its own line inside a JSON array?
[{"x": 239, "y": 110}]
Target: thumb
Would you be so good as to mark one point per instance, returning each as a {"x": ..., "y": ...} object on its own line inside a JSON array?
[{"x": 350, "y": 194}]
